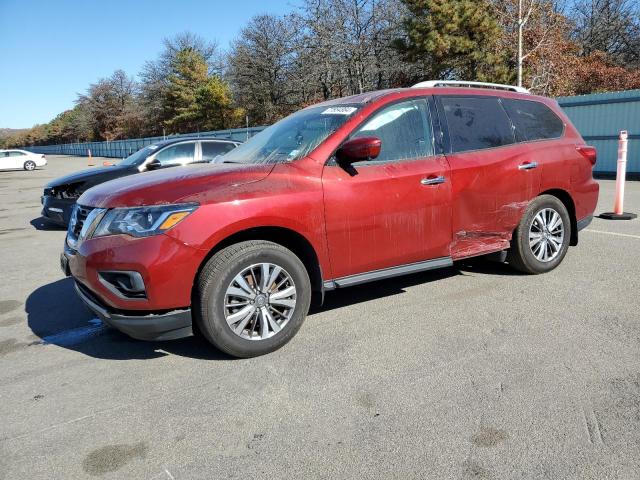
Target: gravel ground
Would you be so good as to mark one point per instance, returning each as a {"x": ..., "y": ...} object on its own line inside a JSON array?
[{"x": 472, "y": 372}]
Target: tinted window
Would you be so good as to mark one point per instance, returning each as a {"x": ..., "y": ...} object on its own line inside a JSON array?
[
  {"x": 16, "y": 154},
  {"x": 533, "y": 120},
  {"x": 180, "y": 154},
  {"x": 211, "y": 150},
  {"x": 404, "y": 129},
  {"x": 476, "y": 123}
]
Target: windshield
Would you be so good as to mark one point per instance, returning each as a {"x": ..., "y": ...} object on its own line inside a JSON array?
[
  {"x": 138, "y": 157},
  {"x": 293, "y": 137}
]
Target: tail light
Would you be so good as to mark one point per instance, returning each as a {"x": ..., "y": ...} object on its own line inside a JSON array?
[{"x": 588, "y": 152}]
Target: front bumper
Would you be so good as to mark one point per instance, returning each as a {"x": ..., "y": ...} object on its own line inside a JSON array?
[
  {"x": 57, "y": 210},
  {"x": 152, "y": 326},
  {"x": 167, "y": 268}
]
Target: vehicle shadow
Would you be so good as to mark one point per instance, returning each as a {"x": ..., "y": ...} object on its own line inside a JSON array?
[
  {"x": 41, "y": 223},
  {"x": 57, "y": 315},
  {"x": 343, "y": 297},
  {"x": 487, "y": 267}
]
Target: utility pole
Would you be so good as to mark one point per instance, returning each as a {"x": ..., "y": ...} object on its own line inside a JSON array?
[{"x": 521, "y": 23}]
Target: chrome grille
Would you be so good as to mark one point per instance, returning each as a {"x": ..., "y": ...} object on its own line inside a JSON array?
[
  {"x": 76, "y": 223},
  {"x": 80, "y": 214}
]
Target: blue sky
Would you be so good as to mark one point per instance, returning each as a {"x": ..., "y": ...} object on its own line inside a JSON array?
[{"x": 52, "y": 50}]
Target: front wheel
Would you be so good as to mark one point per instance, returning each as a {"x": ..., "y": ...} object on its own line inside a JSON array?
[
  {"x": 251, "y": 298},
  {"x": 542, "y": 237},
  {"x": 29, "y": 165}
]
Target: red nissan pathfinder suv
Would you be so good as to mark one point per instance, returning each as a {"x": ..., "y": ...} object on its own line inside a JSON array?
[{"x": 340, "y": 193}]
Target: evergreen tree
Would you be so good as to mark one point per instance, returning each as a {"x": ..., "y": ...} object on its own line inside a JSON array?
[
  {"x": 195, "y": 100},
  {"x": 453, "y": 39}
]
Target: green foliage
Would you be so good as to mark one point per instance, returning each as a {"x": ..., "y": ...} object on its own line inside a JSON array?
[
  {"x": 188, "y": 74},
  {"x": 214, "y": 107},
  {"x": 195, "y": 99},
  {"x": 453, "y": 39}
]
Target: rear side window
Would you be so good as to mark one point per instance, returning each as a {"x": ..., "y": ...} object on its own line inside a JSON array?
[
  {"x": 533, "y": 120},
  {"x": 211, "y": 150},
  {"x": 404, "y": 129},
  {"x": 476, "y": 123}
]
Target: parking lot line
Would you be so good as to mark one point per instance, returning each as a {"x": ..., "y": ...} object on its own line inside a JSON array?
[{"x": 612, "y": 233}]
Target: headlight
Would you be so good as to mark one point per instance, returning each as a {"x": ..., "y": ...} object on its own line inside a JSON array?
[{"x": 142, "y": 221}]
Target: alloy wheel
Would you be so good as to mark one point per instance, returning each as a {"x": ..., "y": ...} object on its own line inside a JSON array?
[
  {"x": 546, "y": 235},
  {"x": 260, "y": 301}
]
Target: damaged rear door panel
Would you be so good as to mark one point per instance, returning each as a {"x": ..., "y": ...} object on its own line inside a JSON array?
[{"x": 493, "y": 178}]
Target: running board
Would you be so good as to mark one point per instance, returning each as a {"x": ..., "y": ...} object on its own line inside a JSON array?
[{"x": 387, "y": 273}]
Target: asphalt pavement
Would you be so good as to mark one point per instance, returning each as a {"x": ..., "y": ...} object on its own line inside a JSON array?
[{"x": 471, "y": 372}]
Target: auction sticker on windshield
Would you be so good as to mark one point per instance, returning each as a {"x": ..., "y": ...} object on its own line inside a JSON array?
[{"x": 339, "y": 111}]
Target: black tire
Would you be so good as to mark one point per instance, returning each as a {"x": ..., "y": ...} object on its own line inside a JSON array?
[
  {"x": 29, "y": 165},
  {"x": 217, "y": 275},
  {"x": 520, "y": 256}
]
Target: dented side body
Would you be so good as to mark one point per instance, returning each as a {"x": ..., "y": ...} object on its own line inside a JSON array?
[{"x": 381, "y": 218}]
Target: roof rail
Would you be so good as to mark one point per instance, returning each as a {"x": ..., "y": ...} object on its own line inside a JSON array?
[{"x": 464, "y": 83}]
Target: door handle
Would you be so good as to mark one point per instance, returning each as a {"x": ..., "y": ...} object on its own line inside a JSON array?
[
  {"x": 432, "y": 180},
  {"x": 528, "y": 166}
]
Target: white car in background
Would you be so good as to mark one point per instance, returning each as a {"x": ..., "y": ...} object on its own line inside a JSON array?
[{"x": 21, "y": 160}]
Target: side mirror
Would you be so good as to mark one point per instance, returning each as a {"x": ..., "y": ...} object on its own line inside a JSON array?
[
  {"x": 154, "y": 164},
  {"x": 358, "y": 150}
]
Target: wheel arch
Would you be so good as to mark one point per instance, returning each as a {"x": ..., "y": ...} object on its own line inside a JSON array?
[
  {"x": 567, "y": 200},
  {"x": 286, "y": 237}
]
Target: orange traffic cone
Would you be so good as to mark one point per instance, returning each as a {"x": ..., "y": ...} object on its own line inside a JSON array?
[{"x": 91, "y": 164}]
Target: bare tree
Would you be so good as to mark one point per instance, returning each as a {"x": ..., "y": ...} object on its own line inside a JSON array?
[
  {"x": 610, "y": 26},
  {"x": 533, "y": 29},
  {"x": 354, "y": 40},
  {"x": 262, "y": 67},
  {"x": 112, "y": 105}
]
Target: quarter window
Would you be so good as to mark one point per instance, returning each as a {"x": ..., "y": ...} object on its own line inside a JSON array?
[
  {"x": 404, "y": 129},
  {"x": 211, "y": 150},
  {"x": 476, "y": 123},
  {"x": 533, "y": 120},
  {"x": 180, "y": 154}
]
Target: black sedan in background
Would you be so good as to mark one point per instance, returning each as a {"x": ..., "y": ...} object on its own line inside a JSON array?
[{"x": 61, "y": 194}]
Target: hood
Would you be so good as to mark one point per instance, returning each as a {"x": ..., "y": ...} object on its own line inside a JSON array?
[
  {"x": 202, "y": 184},
  {"x": 91, "y": 175}
]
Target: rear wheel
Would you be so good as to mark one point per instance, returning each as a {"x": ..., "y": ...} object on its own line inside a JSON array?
[
  {"x": 542, "y": 238},
  {"x": 29, "y": 165},
  {"x": 251, "y": 298}
]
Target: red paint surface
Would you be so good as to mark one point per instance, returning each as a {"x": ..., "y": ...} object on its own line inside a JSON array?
[{"x": 381, "y": 217}]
